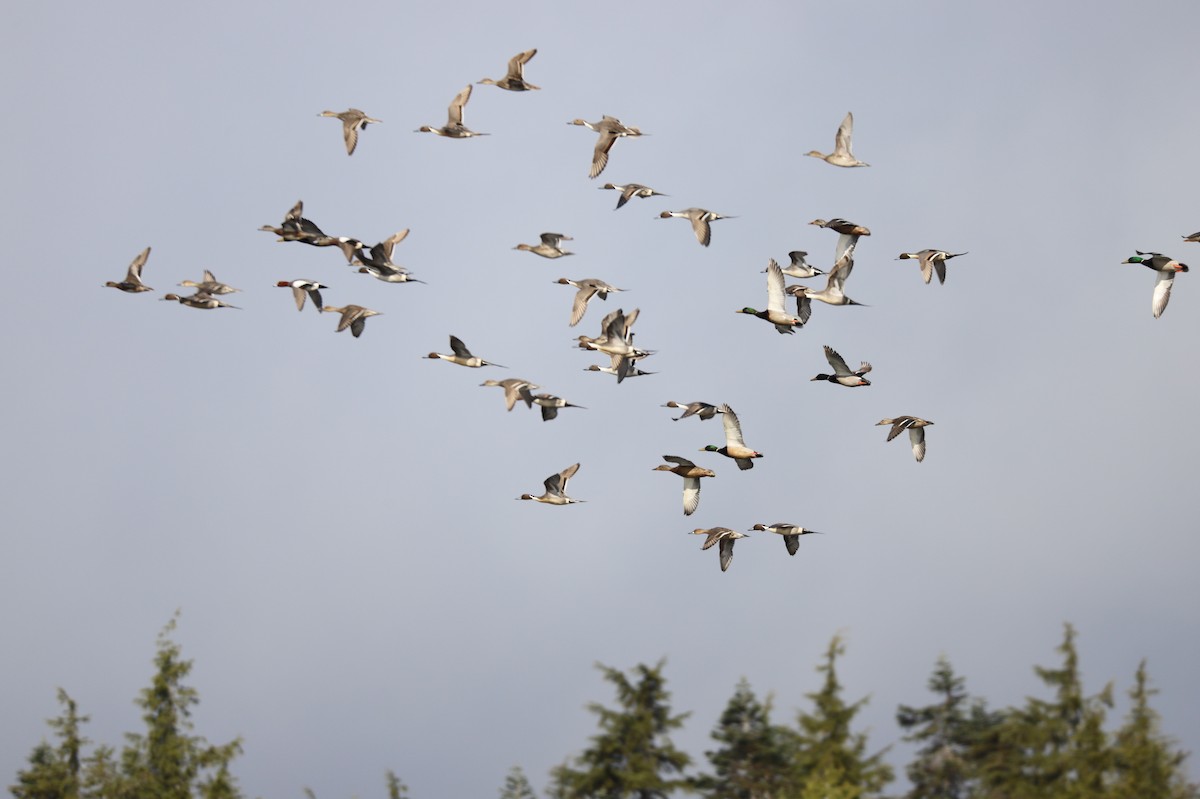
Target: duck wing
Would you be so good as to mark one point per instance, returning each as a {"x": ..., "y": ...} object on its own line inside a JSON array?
[
  {"x": 733, "y": 429},
  {"x": 775, "y": 293},
  {"x": 1162, "y": 292},
  {"x": 843, "y": 141},
  {"x": 837, "y": 362}
]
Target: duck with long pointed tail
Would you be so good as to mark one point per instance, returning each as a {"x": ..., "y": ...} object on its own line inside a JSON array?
[
  {"x": 556, "y": 488},
  {"x": 701, "y": 219},
  {"x": 791, "y": 533},
  {"x": 461, "y": 356},
  {"x": 931, "y": 260}
]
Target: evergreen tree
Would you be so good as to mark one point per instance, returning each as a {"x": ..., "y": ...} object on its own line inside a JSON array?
[
  {"x": 632, "y": 755},
  {"x": 55, "y": 773},
  {"x": 1146, "y": 762},
  {"x": 516, "y": 786},
  {"x": 395, "y": 788},
  {"x": 942, "y": 768},
  {"x": 827, "y": 756},
  {"x": 167, "y": 762},
  {"x": 752, "y": 760}
]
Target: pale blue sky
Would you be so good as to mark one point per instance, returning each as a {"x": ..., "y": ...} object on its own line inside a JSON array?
[{"x": 335, "y": 517}]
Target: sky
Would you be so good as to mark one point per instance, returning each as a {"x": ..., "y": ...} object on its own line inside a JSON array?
[{"x": 335, "y": 517}]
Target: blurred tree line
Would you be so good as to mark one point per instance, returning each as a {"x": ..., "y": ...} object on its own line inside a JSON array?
[{"x": 1059, "y": 747}]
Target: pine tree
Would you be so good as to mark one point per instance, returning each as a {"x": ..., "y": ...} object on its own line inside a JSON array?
[
  {"x": 942, "y": 768},
  {"x": 55, "y": 773},
  {"x": 167, "y": 762},
  {"x": 752, "y": 760},
  {"x": 1146, "y": 763},
  {"x": 828, "y": 757},
  {"x": 632, "y": 755},
  {"x": 395, "y": 788},
  {"x": 516, "y": 785}
]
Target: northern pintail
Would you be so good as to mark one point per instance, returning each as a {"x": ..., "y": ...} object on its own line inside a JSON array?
[
  {"x": 610, "y": 129},
  {"x": 726, "y": 537},
  {"x": 377, "y": 261},
  {"x": 703, "y": 410},
  {"x": 691, "y": 474},
  {"x": 547, "y": 402},
  {"x": 931, "y": 260},
  {"x": 848, "y": 234},
  {"x": 210, "y": 285},
  {"x": 556, "y": 488},
  {"x": 302, "y": 289},
  {"x": 791, "y": 533},
  {"x": 775, "y": 314},
  {"x": 1193, "y": 237},
  {"x": 515, "y": 81},
  {"x": 201, "y": 300},
  {"x": 461, "y": 356},
  {"x": 842, "y": 144},
  {"x": 132, "y": 284},
  {"x": 353, "y": 317},
  {"x": 454, "y": 127},
  {"x": 587, "y": 288},
  {"x": 512, "y": 389},
  {"x": 735, "y": 446},
  {"x": 700, "y": 219},
  {"x": 549, "y": 247},
  {"x": 296, "y": 228},
  {"x": 916, "y": 432},
  {"x": 353, "y": 121},
  {"x": 799, "y": 267},
  {"x": 842, "y": 374},
  {"x": 1166, "y": 267},
  {"x": 834, "y": 292},
  {"x": 621, "y": 368},
  {"x": 631, "y": 190},
  {"x": 616, "y": 337}
]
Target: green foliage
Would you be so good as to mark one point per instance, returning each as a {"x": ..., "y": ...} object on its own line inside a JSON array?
[
  {"x": 751, "y": 761},
  {"x": 944, "y": 730},
  {"x": 632, "y": 755},
  {"x": 395, "y": 788},
  {"x": 1145, "y": 762},
  {"x": 516, "y": 786},
  {"x": 54, "y": 773},
  {"x": 826, "y": 753}
]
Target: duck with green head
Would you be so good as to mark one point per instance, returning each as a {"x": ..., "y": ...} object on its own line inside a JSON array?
[
  {"x": 1167, "y": 267},
  {"x": 735, "y": 446}
]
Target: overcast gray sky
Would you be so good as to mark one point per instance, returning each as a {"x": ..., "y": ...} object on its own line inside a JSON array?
[{"x": 336, "y": 517}]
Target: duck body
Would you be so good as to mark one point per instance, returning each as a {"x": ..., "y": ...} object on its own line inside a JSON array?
[
  {"x": 701, "y": 219},
  {"x": 302, "y": 290},
  {"x": 1167, "y": 267},
  {"x": 132, "y": 284},
  {"x": 931, "y": 260},
  {"x": 462, "y": 356},
  {"x": 556, "y": 488},
  {"x": 514, "y": 80},
  {"x": 735, "y": 447},
  {"x": 513, "y": 387},
  {"x": 843, "y": 142},
  {"x": 631, "y": 190},
  {"x": 454, "y": 127},
  {"x": 548, "y": 247},
  {"x": 701, "y": 410},
  {"x": 842, "y": 374},
  {"x": 353, "y": 317},
  {"x": 201, "y": 300},
  {"x": 725, "y": 537},
  {"x": 775, "y": 314},
  {"x": 547, "y": 402},
  {"x": 791, "y": 533},
  {"x": 587, "y": 289},
  {"x": 353, "y": 121},
  {"x": 916, "y": 432},
  {"x": 691, "y": 474},
  {"x": 210, "y": 285}
]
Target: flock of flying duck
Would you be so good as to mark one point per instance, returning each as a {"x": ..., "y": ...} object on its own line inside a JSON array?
[{"x": 616, "y": 338}]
